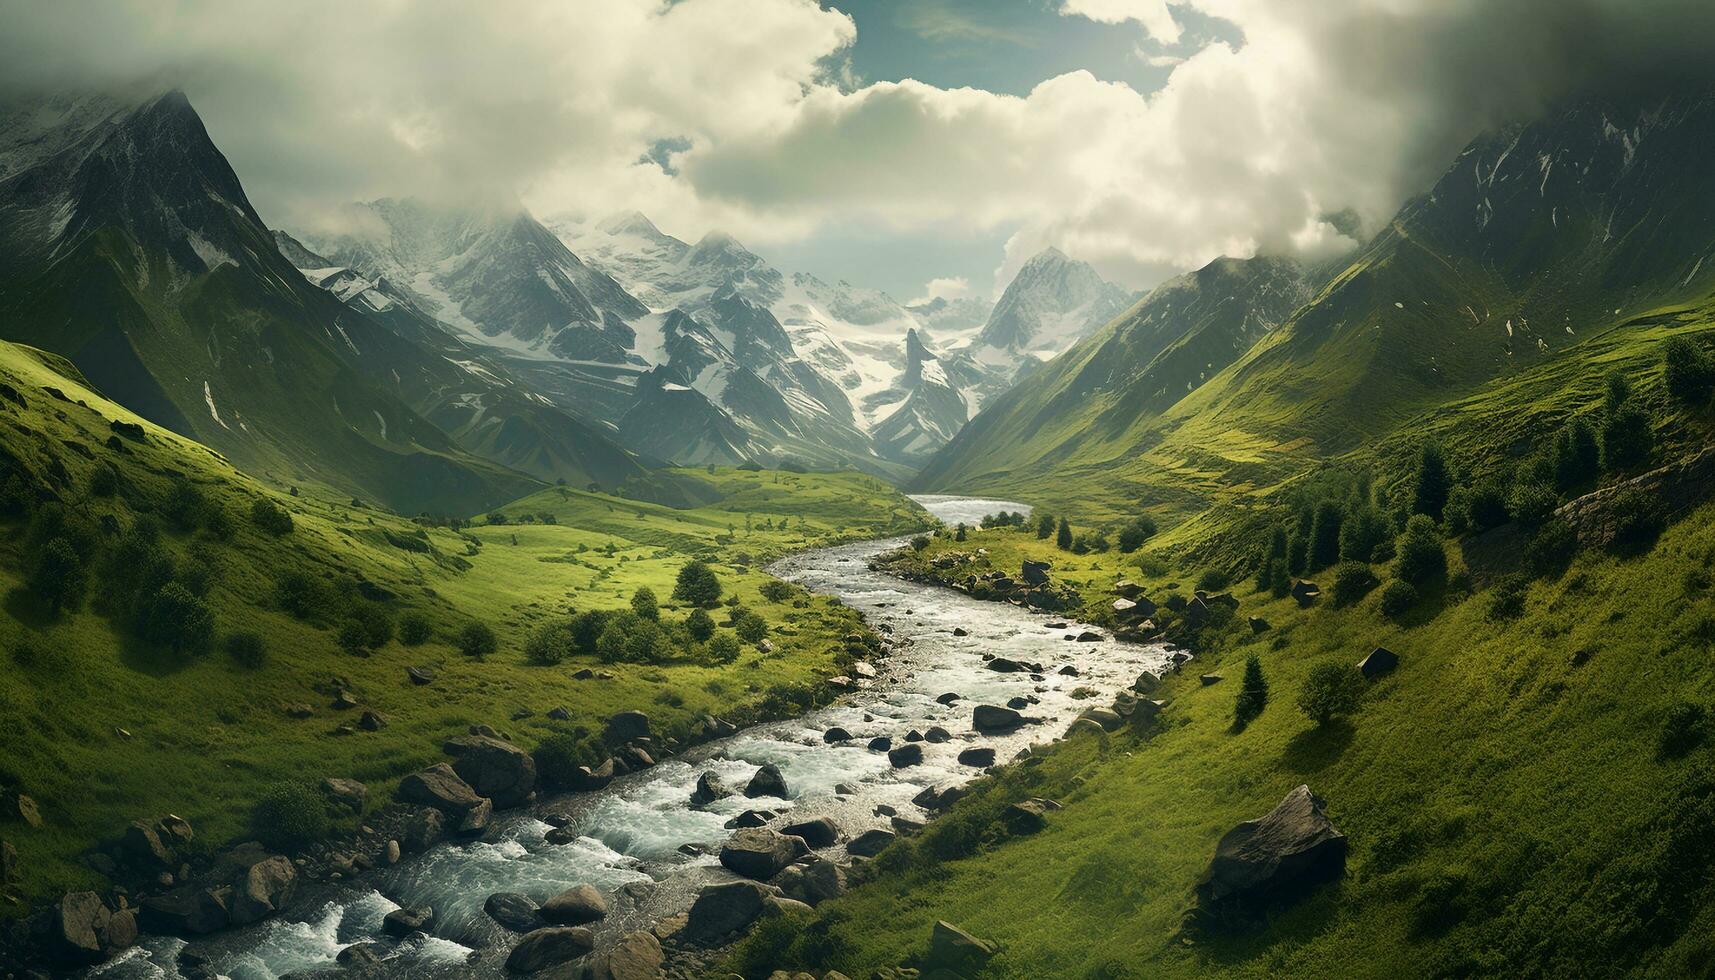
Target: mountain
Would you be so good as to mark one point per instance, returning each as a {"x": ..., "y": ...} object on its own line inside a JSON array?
[
  {"x": 464, "y": 387},
  {"x": 129, "y": 246},
  {"x": 1538, "y": 237},
  {"x": 1051, "y": 303},
  {"x": 923, "y": 411}
]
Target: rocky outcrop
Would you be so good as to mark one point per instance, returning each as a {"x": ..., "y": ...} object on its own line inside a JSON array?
[
  {"x": 190, "y": 910},
  {"x": 514, "y": 911},
  {"x": 261, "y": 889},
  {"x": 441, "y": 787},
  {"x": 637, "y": 956},
  {"x": 709, "y": 789},
  {"x": 820, "y": 832},
  {"x": 1674, "y": 489},
  {"x": 1275, "y": 858},
  {"x": 760, "y": 853},
  {"x": 956, "y": 951},
  {"x": 723, "y": 909},
  {"x": 80, "y": 930},
  {"x": 1380, "y": 661},
  {"x": 627, "y": 726},
  {"x": 499, "y": 770}
]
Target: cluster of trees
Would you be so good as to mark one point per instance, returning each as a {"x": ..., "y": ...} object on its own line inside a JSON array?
[
  {"x": 639, "y": 634},
  {"x": 1003, "y": 519}
]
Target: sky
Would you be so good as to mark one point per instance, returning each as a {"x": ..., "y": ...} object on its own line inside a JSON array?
[{"x": 920, "y": 146}]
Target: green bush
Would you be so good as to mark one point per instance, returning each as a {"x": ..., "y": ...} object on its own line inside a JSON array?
[
  {"x": 1688, "y": 371},
  {"x": 1044, "y": 526},
  {"x": 270, "y": 517},
  {"x": 290, "y": 816},
  {"x": 920, "y": 542},
  {"x": 1324, "y": 547},
  {"x": 1420, "y": 557},
  {"x": 1063, "y": 535},
  {"x": 697, "y": 584},
  {"x": 587, "y": 628},
  {"x": 1331, "y": 689},
  {"x": 177, "y": 619},
  {"x": 1507, "y": 599},
  {"x": 549, "y": 645},
  {"x": 246, "y": 649},
  {"x": 1352, "y": 581},
  {"x": 477, "y": 641},
  {"x": 1628, "y": 440},
  {"x": 1683, "y": 728},
  {"x": 724, "y": 648},
  {"x": 629, "y": 638},
  {"x": 1577, "y": 458},
  {"x": 1132, "y": 536},
  {"x": 1532, "y": 502},
  {"x": 1636, "y": 520},
  {"x": 749, "y": 625},
  {"x": 1432, "y": 483},
  {"x": 184, "y": 505},
  {"x": 57, "y": 576},
  {"x": 353, "y": 638},
  {"x": 775, "y": 590},
  {"x": 1487, "y": 506},
  {"x": 301, "y": 595},
  {"x": 1551, "y": 549},
  {"x": 1361, "y": 532},
  {"x": 644, "y": 605},
  {"x": 104, "y": 480},
  {"x": 376, "y": 621},
  {"x": 1398, "y": 598},
  {"x": 559, "y": 755},
  {"x": 415, "y": 629},
  {"x": 700, "y": 625}
]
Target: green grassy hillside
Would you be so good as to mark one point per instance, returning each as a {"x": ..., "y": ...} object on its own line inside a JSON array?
[
  {"x": 105, "y": 727},
  {"x": 1511, "y": 805}
]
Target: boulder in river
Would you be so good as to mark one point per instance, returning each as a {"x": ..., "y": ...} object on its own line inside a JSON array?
[
  {"x": 1005, "y": 665},
  {"x": 726, "y": 908},
  {"x": 1277, "y": 857},
  {"x": 880, "y": 743},
  {"x": 766, "y": 782},
  {"x": 587, "y": 780},
  {"x": 909, "y": 754},
  {"x": 988, "y": 718},
  {"x": 499, "y": 770},
  {"x": 836, "y": 734},
  {"x": 575, "y": 907},
  {"x": 549, "y": 947},
  {"x": 709, "y": 789},
  {"x": 812, "y": 881},
  {"x": 820, "y": 832},
  {"x": 1380, "y": 661},
  {"x": 402, "y": 922},
  {"x": 761, "y": 853},
  {"x": 751, "y": 818},
  {"x": 261, "y": 888},
  {"x": 626, "y": 726},
  {"x": 440, "y": 787},
  {"x": 870, "y": 842},
  {"x": 981, "y": 758},
  {"x": 80, "y": 930},
  {"x": 514, "y": 911},
  {"x": 475, "y": 820},
  {"x": 936, "y": 735},
  {"x": 637, "y": 956},
  {"x": 188, "y": 910}
]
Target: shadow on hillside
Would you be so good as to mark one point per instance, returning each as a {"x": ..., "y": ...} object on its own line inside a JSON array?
[
  {"x": 147, "y": 658},
  {"x": 26, "y": 608},
  {"x": 1319, "y": 747}
]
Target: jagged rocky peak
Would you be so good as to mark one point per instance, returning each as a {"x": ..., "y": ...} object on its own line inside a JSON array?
[
  {"x": 1052, "y": 302},
  {"x": 630, "y": 223}
]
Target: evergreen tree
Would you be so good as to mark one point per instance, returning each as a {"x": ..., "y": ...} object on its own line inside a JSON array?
[
  {"x": 644, "y": 605},
  {"x": 1044, "y": 526},
  {"x": 1063, "y": 536},
  {"x": 58, "y": 577},
  {"x": 700, "y": 625},
  {"x": 697, "y": 584},
  {"x": 1253, "y": 693},
  {"x": 1433, "y": 482},
  {"x": 959, "y": 532},
  {"x": 1577, "y": 457},
  {"x": 1325, "y": 536},
  {"x": 1420, "y": 557},
  {"x": 1688, "y": 371}
]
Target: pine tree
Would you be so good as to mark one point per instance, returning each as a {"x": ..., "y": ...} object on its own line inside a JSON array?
[
  {"x": 1325, "y": 536},
  {"x": 1429, "y": 492},
  {"x": 1063, "y": 537},
  {"x": 1253, "y": 693},
  {"x": 1045, "y": 526}
]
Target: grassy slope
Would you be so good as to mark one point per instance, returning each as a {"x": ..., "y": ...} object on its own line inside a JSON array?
[
  {"x": 1489, "y": 759},
  {"x": 206, "y": 736}
]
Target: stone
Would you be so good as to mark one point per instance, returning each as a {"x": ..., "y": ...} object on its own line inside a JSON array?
[
  {"x": 404, "y": 921},
  {"x": 421, "y": 828},
  {"x": 760, "y": 853},
  {"x": 390, "y": 854},
  {"x": 79, "y": 931},
  {"x": 298, "y": 709},
  {"x": 634, "y": 757},
  {"x": 939, "y": 797},
  {"x": 1208, "y": 679},
  {"x": 175, "y": 830},
  {"x": 750, "y": 818},
  {"x": 514, "y": 911},
  {"x": 420, "y": 675},
  {"x": 870, "y": 842},
  {"x": 348, "y": 793},
  {"x": 587, "y": 780},
  {"x": 947, "y": 698},
  {"x": 575, "y": 907},
  {"x": 956, "y": 951},
  {"x": 881, "y": 743},
  {"x": 1222, "y": 599},
  {"x": 709, "y": 789},
  {"x": 1146, "y": 683},
  {"x": 1274, "y": 858},
  {"x": 475, "y": 820},
  {"x": 961, "y": 631},
  {"x": 820, "y": 832},
  {"x": 812, "y": 881},
  {"x": 980, "y": 758},
  {"x": 627, "y": 726},
  {"x": 372, "y": 721},
  {"x": 993, "y": 718},
  {"x": 261, "y": 889},
  {"x": 637, "y": 956},
  {"x": 1380, "y": 661},
  {"x": 559, "y": 714},
  {"x": 144, "y": 848},
  {"x": 863, "y": 670},
  {"x": 1018, "y": 703},
  {"x": 1005, "y": 665},
  {"x": 1108, "y": 718},
  {"x": 561, "y": 835},
  {"x": 937, "y": 735},
  {"x": 1089, "y": 636},
  {"x": 549, "y": 947},
  {"x": 1305, "y": 593},
  {"x": 1068, "y": 671},
  {"x": 188, "y": 910},
  {"x": 1258, "y": 624},
  {"x": 905, "y": 826},
  {"x": 1034, "y": 572},
  {"x": 726, "y": 908},
  {"x": 910, "y": 754},
  {"x": 836, "y": 734},
  {"x": 766, "y": 782},
  {"x": 359, "y": 957},
  {"x": 1127, "y": 589},
  {"x": 345, "y": 700},
  {"x": 441, "y": 787},
  {"x": 1028, "y": 816},
  {"x": 499, "y": 770},
  {"x": 914, "y": 736}
]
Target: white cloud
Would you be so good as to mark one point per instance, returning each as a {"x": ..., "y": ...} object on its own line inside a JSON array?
[
  {"x": 947, "y": 288},
  {"x": 1152, "y": 14}
]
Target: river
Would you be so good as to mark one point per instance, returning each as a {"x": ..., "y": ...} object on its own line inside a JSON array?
[{"x": 632, "y": 833}]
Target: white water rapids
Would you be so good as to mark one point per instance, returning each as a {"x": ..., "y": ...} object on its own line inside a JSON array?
[{"x": 632, "y": 831}]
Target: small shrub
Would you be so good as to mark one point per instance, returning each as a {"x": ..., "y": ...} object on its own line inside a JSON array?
[
  {"x": 549, "y": 645},
  {"x": 476, "y": 640},
  {"x": 1214, "y": 580},
  {"x": 290, "y": 816},
  {"x": 270, "y": 517},
  {"x": 1551, "y": 549},
  {"x": 920, "y": 542},
  {"x": 750, "y": 627},
  {"x": 630, "y": 638},
  {"x": 1352, "y": 581},
  {"x": 1636, "y": 520},
  {"x": 246, "y": 649},
  {"x": 1420, "y": 557},
  {"x": 700, "y": 625},
  {"x": 1507, "y": 599},
  {"x": 300, "y": 594},
  {"x": 1532, "y": 503},
  {"x": 1487, "y": 506},
  {"x": 1398, "y": 598},
  {"x": 1132, "y": 536},
  {"x": 104, "y": 480},
  {"x": 57, "y": 576},
  {"x": 644, "y": 605},
  {"x": 415, "y": 629},
  {"x": 177, "y": 619},
  {"x": 1688, "y": 371},
  {"x": 1044, "y": 527},
  {"x": 1063, "y": 535},
  {"x": 1331, "y": 689},
  {"x": 559, "y": 755},
  {"x": 778, "y": 591},
  {"x": 184, "y": 505},
  {"x": 353, "y": 638},
  {"x": 724, "y": 648}
]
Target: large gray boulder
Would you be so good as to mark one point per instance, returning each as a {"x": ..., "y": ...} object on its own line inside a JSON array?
[
  {"x": 261, "y": 889},
  {"x": 812, "y": 881},
  {"x": 820, "y": 832},
  {"x": 955, "y": 951},
  {"x": 726, "y": 908},
  {"x": 188, "y": 910},
  {"x": 766, "y": 782},
  {"x": 760, "y": 853},
  {"x": 1380, "y": 661},
  {"x": 575, "y": 907},
  {"x": 549, "y": 947},
  {"x": 499, "y": 770},
  {"x": 988, "y": 718},
  {"x": 439, "y": 786},
  {"x": 870, "y": 842},
  {"x": 1277, "y": 857},
  {"x": 514, "y": 911},
  {"x": 80, "y": 930},
  {"x": 709, "y": 789},
  {"x": 637, "y": 956},
  {"x": 627, "y": 726}
]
